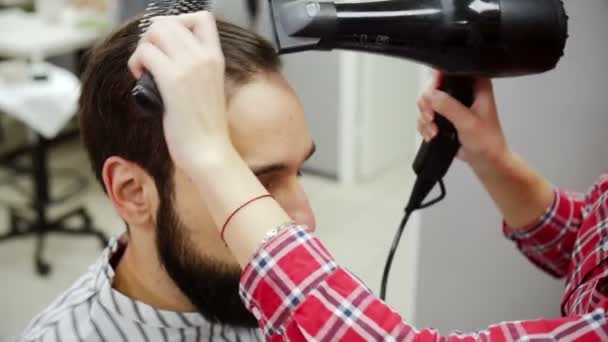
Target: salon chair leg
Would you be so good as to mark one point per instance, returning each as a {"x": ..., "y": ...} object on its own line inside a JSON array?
[{"x": 42, "y": 267}]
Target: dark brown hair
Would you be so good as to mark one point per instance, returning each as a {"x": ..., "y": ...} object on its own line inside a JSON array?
[{"x": 111, "y": 123}]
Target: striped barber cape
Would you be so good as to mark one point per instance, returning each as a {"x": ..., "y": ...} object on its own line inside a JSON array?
[{"x": 91, "y": 310}]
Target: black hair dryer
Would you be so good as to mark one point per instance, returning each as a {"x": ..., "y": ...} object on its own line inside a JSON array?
[{"x": 464, "y": 39}]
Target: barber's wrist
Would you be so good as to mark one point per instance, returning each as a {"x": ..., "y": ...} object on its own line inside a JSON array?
[
  {"x": 520, "y": 193},
  {"x": 497, "y": 162},
  {"x": 214, "y": 155},
  {"x": 224, "y": 178}
]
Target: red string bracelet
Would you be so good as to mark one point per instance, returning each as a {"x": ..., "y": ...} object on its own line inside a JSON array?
[{"x": 239, "y": 209}]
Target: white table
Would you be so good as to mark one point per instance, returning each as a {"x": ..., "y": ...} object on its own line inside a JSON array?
[
  {"x": 44, "y": 106},
  {"x": 25, "y": 35}
]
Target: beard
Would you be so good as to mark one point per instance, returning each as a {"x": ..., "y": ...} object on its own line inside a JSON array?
[{"x": 211, "y": 286}]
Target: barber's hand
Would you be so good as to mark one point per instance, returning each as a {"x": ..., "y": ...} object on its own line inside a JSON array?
[
  {"x": 184, "y": 55},
  {"x": 482, "y": 139},
  {"x": 506, "y": 176}
]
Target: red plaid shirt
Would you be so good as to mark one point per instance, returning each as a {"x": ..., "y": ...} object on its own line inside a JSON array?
[{"x": 298, "y": 292}]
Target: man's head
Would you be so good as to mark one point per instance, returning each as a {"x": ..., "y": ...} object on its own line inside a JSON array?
[{"x": 161, "y": 206}]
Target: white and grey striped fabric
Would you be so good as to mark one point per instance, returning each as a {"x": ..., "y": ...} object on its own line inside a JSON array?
[{"x": 91, "y": 310}]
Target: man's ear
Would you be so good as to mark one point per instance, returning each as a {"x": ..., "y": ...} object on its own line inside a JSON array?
[{"x": 131, "y": 190}]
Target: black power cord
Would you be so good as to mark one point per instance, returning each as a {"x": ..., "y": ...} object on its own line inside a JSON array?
[{"x": 397, "y": 238}]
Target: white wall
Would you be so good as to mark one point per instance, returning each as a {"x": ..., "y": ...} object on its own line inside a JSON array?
[
  {"x": 387, "y": 118},
  {"x": 469, "y": 276}
]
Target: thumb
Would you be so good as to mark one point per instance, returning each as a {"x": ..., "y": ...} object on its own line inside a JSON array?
[
  {"x": 458, "y": 114},
  {"x": 484, "y": 87},
  {"x": 485, "y": 103}
]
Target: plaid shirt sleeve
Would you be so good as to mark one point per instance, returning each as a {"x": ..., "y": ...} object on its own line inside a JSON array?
[
  {"x": 549, "y": 242},
  {"x": 298, "y": 293}
]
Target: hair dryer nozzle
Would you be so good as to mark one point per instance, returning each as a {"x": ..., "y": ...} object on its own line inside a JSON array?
[{"x": 300, "y": 25}]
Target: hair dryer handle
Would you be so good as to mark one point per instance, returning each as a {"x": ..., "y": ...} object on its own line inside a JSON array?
[
  {"x": 435, "y": 157},
  {"x": 147, "y": 96}
]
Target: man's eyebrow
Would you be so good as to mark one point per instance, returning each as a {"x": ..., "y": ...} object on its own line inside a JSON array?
[{"x": 262, "y": 170}]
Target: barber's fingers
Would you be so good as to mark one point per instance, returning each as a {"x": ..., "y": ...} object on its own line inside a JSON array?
[
  {"x": 193, "y": 20},
  {"x": 425, "y": 109},
  {"x": 426, "y": 126},
  {"x": 172, "y": 37},
  {"x": 428, "y": 130},
  {"x": 484, "y": 88},
  {"x": 147, "y": 56},
  {"x": 204, "y": 27},
  {"x": 433, "y": 82},
  {"x": 460, "y": 116},
  {"x": 426, "y": 112},
  {"x": 203, "y": 43},
  {"x": 485, "y": 102}
]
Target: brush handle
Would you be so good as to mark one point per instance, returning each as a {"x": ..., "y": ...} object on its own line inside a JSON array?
[{"x": 147, "y": 96}]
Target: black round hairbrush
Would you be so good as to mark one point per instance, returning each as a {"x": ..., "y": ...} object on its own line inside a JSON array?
[{"x": 146, "y": 93}]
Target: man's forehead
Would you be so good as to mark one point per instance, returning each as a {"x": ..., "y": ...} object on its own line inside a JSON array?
[{"x": 267, "y": 123}]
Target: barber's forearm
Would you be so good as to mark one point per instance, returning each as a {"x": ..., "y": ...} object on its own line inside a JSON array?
[
  {"x": 237, "y": 186},
  {"x": 521, "y": 194}
]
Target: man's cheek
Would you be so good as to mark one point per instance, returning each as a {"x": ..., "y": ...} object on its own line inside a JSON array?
[
  {"x": 193, "y": 213},
  {"x": 221, "y": 253},
  {"x": 210, "y": 247}
]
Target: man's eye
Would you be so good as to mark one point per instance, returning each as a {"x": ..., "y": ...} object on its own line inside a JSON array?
[{"x": 267, "y": 183}]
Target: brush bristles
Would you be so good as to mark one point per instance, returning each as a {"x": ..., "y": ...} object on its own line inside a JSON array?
[{"x": 171, "y": 7}]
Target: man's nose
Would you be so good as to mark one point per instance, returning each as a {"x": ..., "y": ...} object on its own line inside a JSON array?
[
  {"x": 305, "y": 217},
  {"x": 298, "y": 208}
]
